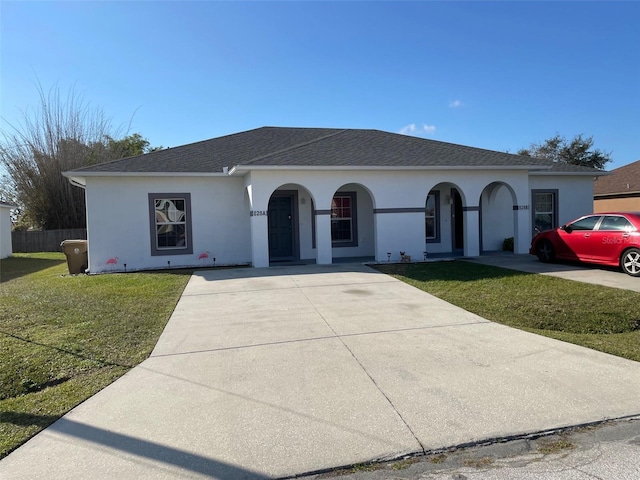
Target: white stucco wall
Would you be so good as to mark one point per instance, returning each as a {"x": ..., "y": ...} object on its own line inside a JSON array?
[
  {"x": 5, "y": 232},
  {"x": 575, "y": 194},
  {"x": 119, "y": 226},
  {"x": 390, "y": 213},
  {"x": 401, "y": 191}
]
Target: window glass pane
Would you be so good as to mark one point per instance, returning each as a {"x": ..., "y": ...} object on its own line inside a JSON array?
[
  {"x": 543, "y": 222},
  {"x": 336, "y": 210},
  {"x": 170, "y": 218},
  {"x": 617, "y": 223},
  {"x": 544, "y": 202},
  {"x": 341, "y": 219},
  {"x": 181, "y": 235},
  {"x": 585, "y": 223},
  {"x": 430, "y": 208},
  {"x": 171, "y": 236},
  {"x": 341, "y": 207},
  {"x": 170, "y": 210},
  {"x": 544, "y": 211},
  {"x": 430, "y": 227},
  {"x": 430, "y": 217},
  {"x": 341, "y": 230}
]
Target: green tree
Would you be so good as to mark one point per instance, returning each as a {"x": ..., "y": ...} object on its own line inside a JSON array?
[
  {"x": 61, "y": 134},
  {"x": 129, "y": 146},
  {"x": 577, "y": 151}
]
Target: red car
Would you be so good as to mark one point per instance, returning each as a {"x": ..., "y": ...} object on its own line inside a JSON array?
[{"x": 604, "y": 238}]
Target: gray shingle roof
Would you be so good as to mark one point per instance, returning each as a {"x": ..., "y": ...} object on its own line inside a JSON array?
[{"x": 295, "y": 147}]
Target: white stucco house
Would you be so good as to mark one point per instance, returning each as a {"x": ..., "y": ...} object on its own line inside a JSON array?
[
  {"x": 277, "y": 194},
  {"x": 6, "y": 249}
]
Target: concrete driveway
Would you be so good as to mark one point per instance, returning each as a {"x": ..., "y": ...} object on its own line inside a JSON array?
[
  {"x": 264, "y": 373},
  {"x": 580, "y": 272}
]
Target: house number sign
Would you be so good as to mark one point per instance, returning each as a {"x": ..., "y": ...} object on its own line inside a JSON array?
[{"x": 258, "y": 213}]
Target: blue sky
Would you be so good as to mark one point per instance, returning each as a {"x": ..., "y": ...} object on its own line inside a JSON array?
[{"x": 496, "y": 75}]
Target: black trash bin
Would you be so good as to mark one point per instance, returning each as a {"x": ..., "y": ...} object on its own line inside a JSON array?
[{"x": 77, "y": 256}]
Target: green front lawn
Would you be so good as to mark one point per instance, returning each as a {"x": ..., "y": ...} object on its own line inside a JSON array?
[
  {"x": 63, "y": 338},
  {"x": 602, "y": 318}
]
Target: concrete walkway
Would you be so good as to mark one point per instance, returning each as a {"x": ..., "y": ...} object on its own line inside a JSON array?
[{"x": 264, "y": 373}]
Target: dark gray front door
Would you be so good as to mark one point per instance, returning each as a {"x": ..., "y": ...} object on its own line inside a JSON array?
[
  {"x": 281, "y": 227},
  {"x": 458, "y": 220}
]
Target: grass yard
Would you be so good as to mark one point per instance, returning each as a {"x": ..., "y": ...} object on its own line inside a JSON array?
[
  {"x": 63, "y": 338},
  {"x": 602, "y": 318}
]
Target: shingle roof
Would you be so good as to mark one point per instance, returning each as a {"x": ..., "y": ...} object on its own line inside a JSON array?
[
  {"x": 623, "y": 180},
  {"x": 281, "y": 146}
]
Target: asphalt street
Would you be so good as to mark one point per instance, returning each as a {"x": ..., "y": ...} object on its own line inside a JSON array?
[{"x": 609, "y": 451}]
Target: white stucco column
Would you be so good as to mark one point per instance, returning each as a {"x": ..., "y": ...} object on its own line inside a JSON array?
[
  {"x": 522, "y": 222},
  {"x": 471, "y": 231},
  {"x": 324, "y": 255},
  {"x": 259, "y": 239},
  {"x": 259, "y": 222}
]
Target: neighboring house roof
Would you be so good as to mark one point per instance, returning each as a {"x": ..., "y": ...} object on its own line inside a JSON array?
[
  {"x": 623, "y": 181},
  {"x": 7, "y": 205},
  {"x": 319, "y": 147}
]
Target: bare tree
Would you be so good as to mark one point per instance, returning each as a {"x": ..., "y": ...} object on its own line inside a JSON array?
[{"x": 60, "y": 134}]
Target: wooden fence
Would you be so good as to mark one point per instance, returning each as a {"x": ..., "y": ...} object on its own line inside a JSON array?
[{"x": 44, "y": 241}]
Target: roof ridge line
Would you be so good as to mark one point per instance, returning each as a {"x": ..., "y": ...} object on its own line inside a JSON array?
[{"x": 298, "y": 145}]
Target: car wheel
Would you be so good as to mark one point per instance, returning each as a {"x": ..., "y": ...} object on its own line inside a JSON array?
[
  {"x": 545, "y": 251},
  {"x": 630, "y": 262}
]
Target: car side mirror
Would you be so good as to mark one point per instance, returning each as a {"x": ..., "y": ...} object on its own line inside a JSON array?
[{"x": 566, "y": 228}]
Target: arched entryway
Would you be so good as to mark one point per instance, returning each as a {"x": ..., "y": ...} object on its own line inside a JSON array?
[
  {"x": 290, "y": 224},
  {"x": 497, "y": 217},
  {"x": 352, "y": 222},
  {"x": 444, "y": 219}
]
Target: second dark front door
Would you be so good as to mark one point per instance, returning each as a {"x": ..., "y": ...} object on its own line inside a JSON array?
[
  {"x": 281, "y": 227},
  {"x": 458, "y": 220}
]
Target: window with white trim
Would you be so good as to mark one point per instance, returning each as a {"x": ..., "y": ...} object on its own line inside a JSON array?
[
  {"x": 431, "y": 227},
  {"x": 343, "y": 220},
  {"x": 170, "y": 219},
  {"x": 545, "y": 210}
]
